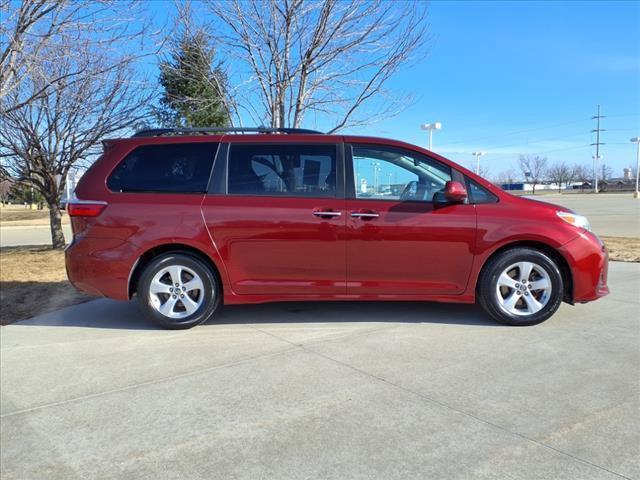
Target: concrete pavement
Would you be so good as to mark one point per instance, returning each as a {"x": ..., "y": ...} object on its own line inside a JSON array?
[
  {"x": 334, "y": 390},
  {"x": 40, "y": 235}
]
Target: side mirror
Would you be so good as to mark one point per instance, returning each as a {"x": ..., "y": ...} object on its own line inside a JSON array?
[{"x": 453, "y": 192}]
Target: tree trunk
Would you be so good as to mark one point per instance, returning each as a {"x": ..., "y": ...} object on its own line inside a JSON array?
[{"x": 55, "y": 217}]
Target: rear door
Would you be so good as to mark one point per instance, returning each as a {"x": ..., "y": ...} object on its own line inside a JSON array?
[
  {"x": 276, "y": 213},
  {"x": 397, "y": 242}
]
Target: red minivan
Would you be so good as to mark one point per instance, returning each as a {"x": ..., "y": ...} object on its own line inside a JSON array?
[{"x": 188, "y": 219}]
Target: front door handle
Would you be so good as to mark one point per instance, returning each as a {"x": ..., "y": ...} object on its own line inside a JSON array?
[
  {"x": 326, "y": 213},
  {"x": 365, "y": 215}
]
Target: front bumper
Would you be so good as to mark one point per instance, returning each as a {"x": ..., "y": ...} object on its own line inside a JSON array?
[{"x": 589, "y": 263}]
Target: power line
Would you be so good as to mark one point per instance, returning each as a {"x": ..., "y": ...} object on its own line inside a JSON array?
[
  {"x": 539, "y": 141},
  {"x": 500, "y": 156},
  {"x": 491, "y": 147},
  {"x": 516, "y": 132},
  {"x": 627, "y": 115},
  {"x": 535, "y": 129}
]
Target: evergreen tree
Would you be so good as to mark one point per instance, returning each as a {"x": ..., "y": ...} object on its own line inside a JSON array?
[{"x": 193, "y": 88}]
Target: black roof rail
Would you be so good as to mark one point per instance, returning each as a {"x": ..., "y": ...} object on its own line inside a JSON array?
[{"x": 158, "y": 132}]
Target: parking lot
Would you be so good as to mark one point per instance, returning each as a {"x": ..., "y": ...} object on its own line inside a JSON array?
[
  {"x": 613, "y": 214},
  {"x": 336, "y": 390}
]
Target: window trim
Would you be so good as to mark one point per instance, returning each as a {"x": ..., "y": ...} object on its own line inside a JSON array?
[
  {"x": 161, "y": 192},
  {"x": 350, "y": 175},
  {"x": 224, "y": 170},
  {"x": 217, "y": 181}
]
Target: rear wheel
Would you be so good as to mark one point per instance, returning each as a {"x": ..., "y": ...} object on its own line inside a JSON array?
[
  {"x": 521, "y": 286},
  {"x": 178, "y": 291}
]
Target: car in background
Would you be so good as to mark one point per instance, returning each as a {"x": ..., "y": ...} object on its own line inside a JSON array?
[{"x": 188, "y": 220}]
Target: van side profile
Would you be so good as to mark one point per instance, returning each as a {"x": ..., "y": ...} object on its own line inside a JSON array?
[{"x": 187, "y": 220}]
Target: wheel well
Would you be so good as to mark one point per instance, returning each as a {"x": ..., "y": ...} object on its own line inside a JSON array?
[
  {"x": 149, "y": 255},
  {"x": 563, "y": 266}
]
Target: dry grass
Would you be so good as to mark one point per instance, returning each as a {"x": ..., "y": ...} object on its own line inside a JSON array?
[
  {"x": 623, "y": 249},
  {"x": 19, "y": 216},
  {"x": 33, "y": 280},
  {"x": 16, "y": 214}
]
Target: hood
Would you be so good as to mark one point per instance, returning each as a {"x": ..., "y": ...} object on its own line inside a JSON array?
[{"x": 535, "y": 203}]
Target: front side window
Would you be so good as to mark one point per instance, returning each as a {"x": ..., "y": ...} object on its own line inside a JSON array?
[
  {"x": 393, "y": 174},
  {"x": 282, "y": 170},
  {"x": 169, "y": 168}
]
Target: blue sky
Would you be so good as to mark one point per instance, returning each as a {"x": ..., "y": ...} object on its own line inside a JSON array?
[
  {"x": 512, "y": 78},
  {"x": 539, "y": 68}
]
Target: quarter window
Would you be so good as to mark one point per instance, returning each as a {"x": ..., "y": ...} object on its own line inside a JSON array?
[
  {"x": 479, "y": 194},
  {"x": 171, "y": 168},
  {"x": 395, "y": 174},
  {"x": 282, "y": 170}
]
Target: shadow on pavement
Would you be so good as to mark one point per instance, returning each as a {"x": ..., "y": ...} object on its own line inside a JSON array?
[
  {"x": 111, "y": 314},
  {"x": 354, "y": 311}
]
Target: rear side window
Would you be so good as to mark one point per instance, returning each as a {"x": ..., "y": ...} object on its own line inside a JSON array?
[
  {"x": 282, "y": 170},
  {"x": 174, "y": 168}
]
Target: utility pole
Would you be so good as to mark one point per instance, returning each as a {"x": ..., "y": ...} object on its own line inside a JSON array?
[
  {"x": 636, "y": 140},
  {"x": 597, "y": 144}
]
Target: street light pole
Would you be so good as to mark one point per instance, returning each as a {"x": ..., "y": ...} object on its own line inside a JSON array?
[
  {"x": 478, "y": 155},
  {"x": 376, "y": 169},
  {"x": 431, "y": 127},
  {"x": 636, "y": 140}
]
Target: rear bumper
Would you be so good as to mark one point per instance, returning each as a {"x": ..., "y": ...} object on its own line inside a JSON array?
[
  {"x": 100, "y": 266},
  {"x": 589, "y": 262}
]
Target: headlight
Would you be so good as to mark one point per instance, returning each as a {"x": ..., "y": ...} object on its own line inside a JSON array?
[{"x": 575, "y": 219}]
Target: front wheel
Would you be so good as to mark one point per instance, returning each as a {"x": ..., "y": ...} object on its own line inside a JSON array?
[
  {"x": 521, "y": 286},
  {"x": 178, "y": 291}
]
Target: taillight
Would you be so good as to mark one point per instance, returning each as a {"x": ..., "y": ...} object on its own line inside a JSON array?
[{"x": 84, "y": 208}]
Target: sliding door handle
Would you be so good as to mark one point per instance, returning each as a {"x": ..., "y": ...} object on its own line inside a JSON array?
[{"x": 365, "y": 215}]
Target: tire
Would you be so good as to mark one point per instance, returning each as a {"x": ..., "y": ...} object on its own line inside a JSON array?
[
  {"x": 192, "y": 302},
  {"x": 534, "y": 300}
]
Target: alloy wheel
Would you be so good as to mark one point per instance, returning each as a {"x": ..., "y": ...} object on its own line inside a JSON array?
[
  {"x": 176, "y": 291},
  {"x": 523, "y": 288}
]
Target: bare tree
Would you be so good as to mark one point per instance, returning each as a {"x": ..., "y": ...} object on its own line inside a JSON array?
[
  {"x": 484, "y": 171},
  {"x": 606, "y": 172},
  {"x": 329, "y": 58},
  {"x": 561, "y": 174},
  {"x": 62, "y": 123},
  {"x": 534, "y": 168},
  {"x": 30, "y": 27},
  {"x": 505, "y": 177},
  {"x": 581, "y": 174}
]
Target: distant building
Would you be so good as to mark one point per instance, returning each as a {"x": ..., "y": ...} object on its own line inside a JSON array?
[
  {"x": 528, "y": 187},
  {"x": 622, "y": 184}
]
